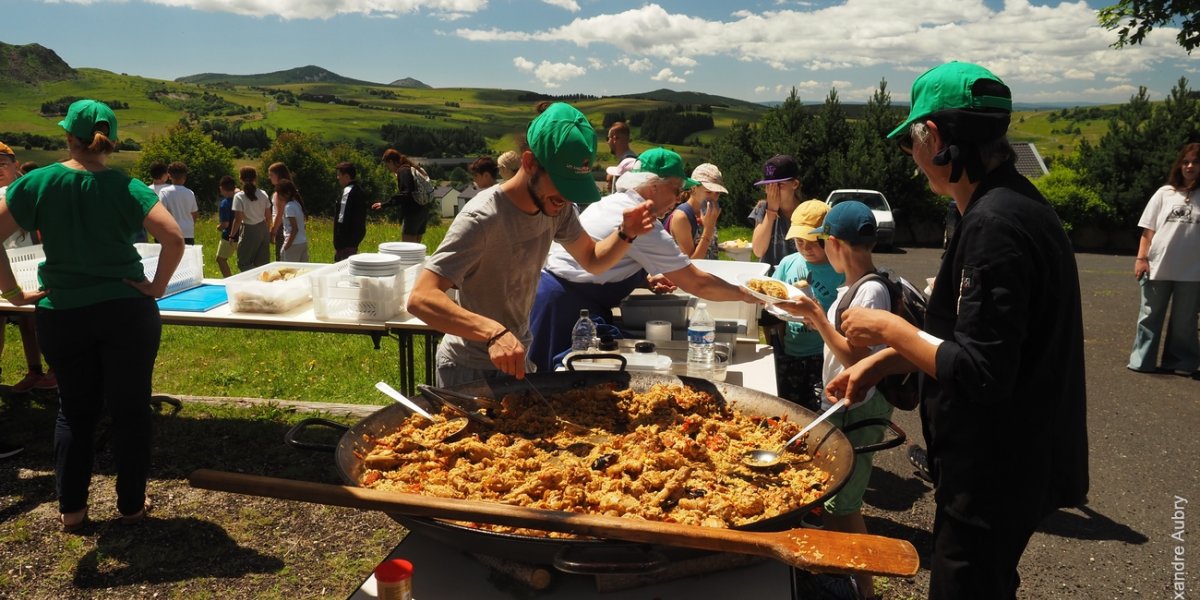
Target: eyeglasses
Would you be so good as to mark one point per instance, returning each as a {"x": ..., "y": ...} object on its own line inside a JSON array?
[{"x": 906, "y": 143}]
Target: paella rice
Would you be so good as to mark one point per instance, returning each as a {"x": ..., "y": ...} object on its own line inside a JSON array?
[{"x": 670, "y": 453}]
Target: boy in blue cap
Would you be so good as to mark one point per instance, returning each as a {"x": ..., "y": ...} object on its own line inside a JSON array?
[{"x": 849, "y": 234}]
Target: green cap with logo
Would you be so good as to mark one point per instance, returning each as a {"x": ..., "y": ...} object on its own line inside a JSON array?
[
  {"x": 956, "y": 86},
  {"x": 564, "y": 143},
  {"x": 82, "y": 117},
  {"x": 665, "y": 163}
]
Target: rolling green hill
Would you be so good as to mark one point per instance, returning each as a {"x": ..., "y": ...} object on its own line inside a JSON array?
[
  {"x": 32, "y": 63},
  {"x": 308, "y": 74}
]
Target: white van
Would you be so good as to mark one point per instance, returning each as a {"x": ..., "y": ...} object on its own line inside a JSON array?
[{"x": 885, "y": 224}]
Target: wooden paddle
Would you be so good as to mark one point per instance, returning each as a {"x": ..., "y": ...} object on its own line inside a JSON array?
[{"x": 810, "y": 549}]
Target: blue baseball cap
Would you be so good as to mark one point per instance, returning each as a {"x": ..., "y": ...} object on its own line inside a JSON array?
[{"x": 850, "y": 221}]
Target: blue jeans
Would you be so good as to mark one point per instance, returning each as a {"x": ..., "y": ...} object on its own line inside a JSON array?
[
  {"x": 103, "y": 355},
  {"x": 1181, "y": 351}
]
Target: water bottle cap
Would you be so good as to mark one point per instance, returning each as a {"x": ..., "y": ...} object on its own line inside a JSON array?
[
  {"x": 584, "y": 313},
  {"x": 701, "y": 305},
  {"x": 643, "y": 347}
]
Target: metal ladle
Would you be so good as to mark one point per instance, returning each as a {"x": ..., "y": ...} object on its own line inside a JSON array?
[{"x": 762, "y": 458}]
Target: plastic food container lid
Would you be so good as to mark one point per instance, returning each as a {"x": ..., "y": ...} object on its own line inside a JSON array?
[{"x": 393, "y": 570}]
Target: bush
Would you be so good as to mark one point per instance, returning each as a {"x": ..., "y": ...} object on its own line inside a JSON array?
[
  {"x": 206, "y": 160},
  {"x": 1077, "y": 203},
  {"x": 311, "y": 165}
]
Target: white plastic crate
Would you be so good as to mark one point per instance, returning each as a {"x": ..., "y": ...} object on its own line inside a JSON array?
[
  {"x": 248, "y": 293},
  {"x": 339, "y": 296},
  {"x": 24, "y": 262},
  {"x": 189, "y": 273}
]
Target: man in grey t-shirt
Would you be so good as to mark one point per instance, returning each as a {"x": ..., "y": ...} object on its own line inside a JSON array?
[{"x": 495, "y": 248}]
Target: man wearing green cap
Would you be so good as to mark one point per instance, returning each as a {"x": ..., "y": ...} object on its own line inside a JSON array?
[
  {"x": 1003, "y": 340},
  {"x": 496, "y": 246},
  {"x": 566, "y": 287}
]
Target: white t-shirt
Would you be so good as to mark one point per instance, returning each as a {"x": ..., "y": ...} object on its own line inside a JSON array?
[
  {"x": 1175, "y": 247},
  {"x": 181, "y": 203},
  {"x": 655, "y": 251},
  {"x": 872, "y": 294},
  {"x": 254, "y": 210},
  {"x": 20, "y": 238},
  {"x": 293, "y": 209}
]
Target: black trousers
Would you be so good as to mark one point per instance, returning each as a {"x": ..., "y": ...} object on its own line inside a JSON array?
[
  {"x": 978, "y": 563},
  {"x": 103, "y": 355}
]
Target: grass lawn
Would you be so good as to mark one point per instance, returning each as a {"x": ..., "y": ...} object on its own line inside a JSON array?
[{"x": 316, "y": 367}]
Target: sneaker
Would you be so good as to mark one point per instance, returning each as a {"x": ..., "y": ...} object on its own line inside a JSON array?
[
  {"x": 920, "y": 460},
  {"x": 7, "y": 450},
  {"x": 27, "y": 384},
  {"x": 46, "y": 382}
]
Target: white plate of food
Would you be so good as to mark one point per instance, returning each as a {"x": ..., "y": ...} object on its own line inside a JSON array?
[
  {"x": 767, "y": 289},
  {"x": 783, "y": 315}
]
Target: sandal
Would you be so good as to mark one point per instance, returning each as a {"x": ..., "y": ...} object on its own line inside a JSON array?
[
  {"x": 138, "y": 516},
  {"x": 73, "y": 521}
]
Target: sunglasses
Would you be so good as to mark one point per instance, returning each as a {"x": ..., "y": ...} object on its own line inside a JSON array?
[{"x": 905, "y": 142}]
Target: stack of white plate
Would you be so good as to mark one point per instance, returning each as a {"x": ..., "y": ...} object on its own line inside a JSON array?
[
  {"x": 410, "y": 253},
  {"x": 374, "y": 265}
]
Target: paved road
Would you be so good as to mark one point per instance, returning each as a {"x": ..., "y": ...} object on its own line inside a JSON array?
[{"x": 1144, "y": 435}]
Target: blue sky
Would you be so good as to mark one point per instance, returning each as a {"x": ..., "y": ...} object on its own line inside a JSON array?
[{"x": 754, "y": 50}]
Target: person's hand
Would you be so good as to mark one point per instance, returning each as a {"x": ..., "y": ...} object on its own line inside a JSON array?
[
  {"x": 870, "y": 326},
  {"x": 709, "y": 217},
  {"x": 27, "y": 297},
  {"x": 508, "y": 354},
  {"x": 804, "y": 307},
  {"x": 638, "y": 220},
  {"x": 853, "y": 382},
  {"x": 774, "y": 196},
  {"x": 148, "y": 288},
  {"x": 1141, "y": 268},
  {"x": 660, "y": 284},
  {"x": 377, "y": 206}
]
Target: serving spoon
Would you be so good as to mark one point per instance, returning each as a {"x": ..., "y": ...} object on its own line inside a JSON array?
[
  {"x": 762, "y": 458},
  {"x": 394, "y": 394}
]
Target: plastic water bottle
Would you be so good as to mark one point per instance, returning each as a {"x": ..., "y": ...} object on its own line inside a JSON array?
[
  {"x": 583, "y": 333},
  {"x": 702, "y": 334}
]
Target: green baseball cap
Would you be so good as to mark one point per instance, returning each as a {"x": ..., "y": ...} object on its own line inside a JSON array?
[
  {"x": 665, "y": 163},
  {"x": 955, "y": 86},
  {"x": 564, "y": 143},
  {"x": 82, "y": 117}
]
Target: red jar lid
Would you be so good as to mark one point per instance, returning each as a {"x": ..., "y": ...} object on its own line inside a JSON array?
[{"x": 393, "y": 570}]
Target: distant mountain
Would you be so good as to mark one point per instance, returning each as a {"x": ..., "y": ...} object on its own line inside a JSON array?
[
  {"x": 665, "y": 95},
  {"x": 409, "y": 82},
  {"x": 309, "y": 74},
  {"x": 32, "y": 63}
]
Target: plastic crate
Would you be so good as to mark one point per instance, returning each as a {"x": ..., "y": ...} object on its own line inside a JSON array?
[
  {"x": 339, "y": 296},
  {"x": 248, "y": 293},
  {"x": 24, "y": 262},
  {"x": 189, "y": 273}
]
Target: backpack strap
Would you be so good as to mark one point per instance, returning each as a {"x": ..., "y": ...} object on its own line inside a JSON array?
[{"x": 848, "y": 297}]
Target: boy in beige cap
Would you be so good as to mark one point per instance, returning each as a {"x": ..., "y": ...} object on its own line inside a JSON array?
[{"x": 799, "y": 349}]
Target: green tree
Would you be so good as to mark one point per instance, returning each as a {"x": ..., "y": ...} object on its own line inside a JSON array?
[
  {"x": 734, "y": 153},
  {"x": 1134, "y": 19},
  {"x": 206, "y": 160},
  {"x": 1131, "y": 160},
  {"x": 311, "y": 166},
  {"x": 828, "y": 137}
]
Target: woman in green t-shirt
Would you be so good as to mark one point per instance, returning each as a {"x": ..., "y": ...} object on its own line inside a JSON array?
[{"x": 97, "y": 320}]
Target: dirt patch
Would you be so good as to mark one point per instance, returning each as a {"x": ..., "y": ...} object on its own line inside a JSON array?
[{"x": 196, "y": 543}]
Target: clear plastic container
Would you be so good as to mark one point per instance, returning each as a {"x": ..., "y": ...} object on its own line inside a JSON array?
[
  {"x": 189, "y": 273},
  {"x": 339, "y": 296},
  {"x": 249, "y": 293}
]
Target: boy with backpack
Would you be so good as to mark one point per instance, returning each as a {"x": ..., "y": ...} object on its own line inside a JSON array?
[{"x": 849, "y": 234}]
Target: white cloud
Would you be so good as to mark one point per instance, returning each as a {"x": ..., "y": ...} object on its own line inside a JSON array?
[
  {"x": 669, "y": 76},
  {"x": 570, "y": 5},
  {"x": 682, "y": 61},
  {"x": 324, "y": 9},
  {"x": 640, "y": 65},
  {"x": 551, "y": 75},
  {"x": 760, "y": 89},
  {"x": 1029, "y": 45},
  {"x": 595, "y": 63}
]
